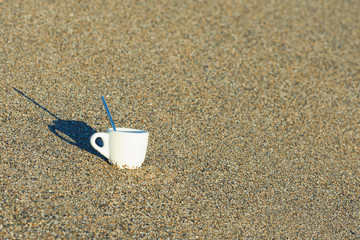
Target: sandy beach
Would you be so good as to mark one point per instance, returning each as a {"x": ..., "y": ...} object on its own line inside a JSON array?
[{"x": 252, "y": 109}]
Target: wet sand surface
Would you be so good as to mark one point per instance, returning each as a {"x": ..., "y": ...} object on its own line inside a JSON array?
[{"x": 252, "y": 109}]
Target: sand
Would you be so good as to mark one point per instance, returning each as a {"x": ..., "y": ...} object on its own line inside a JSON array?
[{"x": 252, "y": 109}]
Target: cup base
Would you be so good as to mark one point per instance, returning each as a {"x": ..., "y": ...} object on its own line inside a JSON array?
[{"x": 125, "y": 166}]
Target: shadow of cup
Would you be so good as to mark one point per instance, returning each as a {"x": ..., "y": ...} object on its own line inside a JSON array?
[{"x": 77, "y": 133}]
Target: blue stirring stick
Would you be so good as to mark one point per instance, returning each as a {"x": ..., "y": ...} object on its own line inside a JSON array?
[{"x": 108, "y": 113}]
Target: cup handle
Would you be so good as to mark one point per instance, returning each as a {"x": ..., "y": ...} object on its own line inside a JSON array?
[{"x": 104, "y": 150}]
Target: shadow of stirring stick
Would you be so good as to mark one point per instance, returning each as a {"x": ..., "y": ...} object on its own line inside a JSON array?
[{"x": 76, "y": 133}]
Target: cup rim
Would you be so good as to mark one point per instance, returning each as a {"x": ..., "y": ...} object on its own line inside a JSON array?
[{"x": 126, "y": 130}]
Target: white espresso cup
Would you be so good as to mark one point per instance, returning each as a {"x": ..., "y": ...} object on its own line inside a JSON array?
[{"x": 124, "y": 147}]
